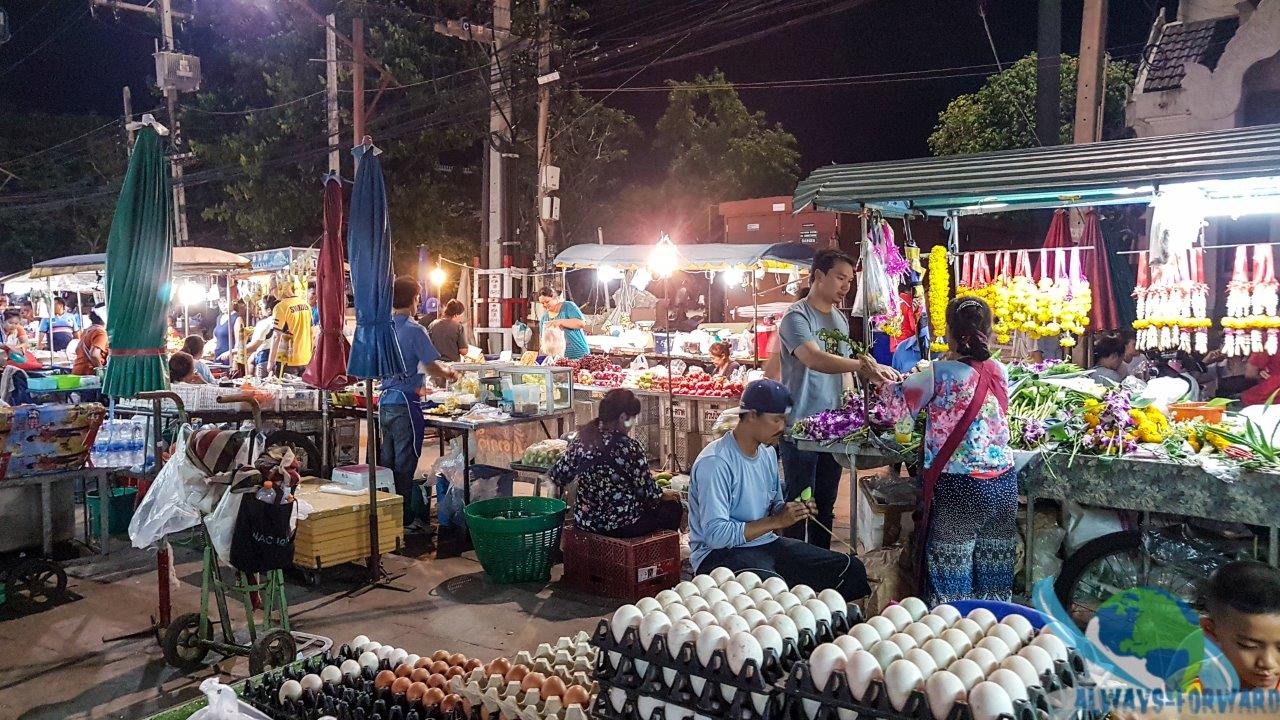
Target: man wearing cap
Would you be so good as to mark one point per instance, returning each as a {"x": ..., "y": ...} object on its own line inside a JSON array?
[{"x": 737, "y": 509}]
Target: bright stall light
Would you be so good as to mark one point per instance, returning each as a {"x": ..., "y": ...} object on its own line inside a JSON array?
[
  {"x": 212, "y": 296},
  {"x": 665, "y": 259},
  {"x": 608, "y": 273},
  {"x": 641, "y": 279},
  {"x": 191, "y": 294},
  {"x": 731, "y": 277},
  {"x": 437, "y": 276}
]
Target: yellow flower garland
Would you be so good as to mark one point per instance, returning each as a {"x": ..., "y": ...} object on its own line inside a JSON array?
[{"x": 939, "y": 289}]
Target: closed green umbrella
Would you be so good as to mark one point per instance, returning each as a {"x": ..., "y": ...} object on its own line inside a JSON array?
[{"x": 139, "y": 260}]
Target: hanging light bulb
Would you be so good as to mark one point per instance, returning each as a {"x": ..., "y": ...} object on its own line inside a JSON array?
[
  {"x": 665, "y": 258},
  {"x": 437, "y": 276},
  {"x": 190, "y": 293},
  {"x": 608, "y": 273},
  {"x": 641, "y": 279},
  {"x": 213, "y": 294},
  {"x": 731, "y": 277}
]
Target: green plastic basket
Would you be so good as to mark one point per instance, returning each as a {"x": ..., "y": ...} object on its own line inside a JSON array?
[{"x": 515, "y": 536}]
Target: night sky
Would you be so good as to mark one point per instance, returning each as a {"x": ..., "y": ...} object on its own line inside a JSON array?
[{"x": 73, "y": 63}]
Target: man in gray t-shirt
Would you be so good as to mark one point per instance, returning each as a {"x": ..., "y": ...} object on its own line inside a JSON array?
[{"x": 813, "y": 369}]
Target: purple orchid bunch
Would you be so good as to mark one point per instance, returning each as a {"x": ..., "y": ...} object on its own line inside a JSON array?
[
  {"x": 1034, "y": 432},
  {"x": 1039, "y": 367},
  {"x": 830, "y": 425},
  {"x": 1113, "y": 433}
]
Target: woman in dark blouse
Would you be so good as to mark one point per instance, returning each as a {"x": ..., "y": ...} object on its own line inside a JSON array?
[
  {"x": 617, "y": 496},
  {"x": 724, "y": 364}
]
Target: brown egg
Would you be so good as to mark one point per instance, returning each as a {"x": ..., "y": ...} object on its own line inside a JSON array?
[
  {"x": 450, "y": 702},
  {"x": 552, "y": 687},
  {"x": 420, "y": 675},
  {"x": 440, "y": 655},
  {"x": 516, "y": 673},
  {"x": 404, "y": 670},
  {"x": 401, "y": 685},
  {"x": 440, "y": 666},
  {"x": 457, "y": 659},
  {"x": 532, "y": 681},
  {"x": 472, "y": 664},
  {"x": 454, "y": 672},
  {"x": 498, "y": 667},
  {"x": 432, "y": 697},
  {"x": 437, "y": 680},
  {"x": 576, "y": 695},
  {"x": 383, "y": 679},
  {"x": 423, "y": 662},
  {"x": 415, "y": 692}
]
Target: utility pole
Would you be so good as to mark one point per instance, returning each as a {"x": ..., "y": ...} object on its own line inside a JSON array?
[
  {"x": 1048, "y": 72},
  {"x": 176, "y": 160},
  {"x": 546, "y": 211},
  {"x": 127, "y": 96},
  {"x": 1090, "y": 84},
  {"x": 357, "y": 81},
  {"x": 331, "y": 92}
]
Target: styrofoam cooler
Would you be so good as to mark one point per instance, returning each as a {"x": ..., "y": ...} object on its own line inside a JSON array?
[{"x": 357, "y": 476}]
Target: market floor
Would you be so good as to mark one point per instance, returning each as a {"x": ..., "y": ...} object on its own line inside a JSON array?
[{"x": 56, "y": 665}]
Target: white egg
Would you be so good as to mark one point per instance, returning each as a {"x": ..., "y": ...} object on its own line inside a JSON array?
[
  {"x": 412, "y": 660},
  {"x": 627, "y": 616},
  {"x": 1020, "y": 625},
  {"x": 935, "y": 623},
  {"x": 711, "y": 639},
  {"x": 988, "y": 701},
  {"x": 681, "y": 633},
  {"x": 732, "y": 589},
  {"x": 826, "y": 660},
  {"x": 834, "y": 600},
  {"x": 748, "y": 580},
  {"x": 289, "y": 690},
  {"x": 754, "y": 617},
  {"x": 970, "y": 628},
  {"x": 775, "y": 585},
  {"x": 865, "y": 634},
  {"x": 769, "y": 639},
  {"x": 666, "y": 597},
  {"x": 958, "y": 640},
  {"x": 787, "y": 600},
  {"x": 676, "y": 611},
  {"x": 1051, "y": 644},
  {"x": 742, "y": 647},
  {"x": 1066, "y": 639},
  {"x": 369, "y": 660},
  {"x": 1007, "y": 635},
  {"x": 759, "y": 595},
  {"x": 882, "y": 626},
  {"x": 984, "y": 617},
  {"x": 1023, "y": 668},
  {"x": 714, "y": 595},
  {"x": 721, "y": 574},
  {"x": 332, "y": 675},
  {"x": 944, "y": 690},
  {"x": 915, "y": 606},
  {"x": 723, "y": 610},
  {"x": 735, "y": 624},
  {"x": 743, "y": 603},
  {"x": 1011, "y": 682},
  {"x": 704, "y": 619},
  {"x": 922, "y": 660},
  {"x": 1039, "y": 658},
  {"x": 648, "y": 605},
  {"x": 370, "y": 647},
  {"x": 968, "y": 672},
  {"x": 897, "y": 615},
  {"x": 397, "y": 656},
  {"x": 686, "y": 589},
  {"x": 384, "y": 652},
  {"x": 900, "y": 679},
  {"x": 704, "y": 582},
  {"x": 351, "y": 668},
  {"x": 359, "y": 640},
  {"x": 804, "y": 619},
  {"x": 947, "y": 612},
  {"x": 849, "y": 644},
  {"x": 617, "y": 698},
  {"x": 804, "y": 592},
  {"x": 984, "y": 658},
  {"x": 920, "y": 632},
  {"x": 695, "y": 604},
  {"x": 654, "y": 623},
  {"x": 771, "y": 608},
  {"x": 904, "y": 641},
  {"x": 821, "y": 612},
  {"x": 886, "y": 652},
  {"x": 941, "y": 651},
  {"x": 995, "y": 646},
  {"x": 786, "y": 627},
  {"x": 861, "y": 669},
  {"x": 311, "y": 682}
]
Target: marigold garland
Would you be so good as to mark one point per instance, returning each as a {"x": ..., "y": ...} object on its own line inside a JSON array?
[{"x": 939, "y": 290}]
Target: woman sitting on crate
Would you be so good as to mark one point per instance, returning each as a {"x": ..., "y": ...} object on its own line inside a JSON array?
[{"x": 617, "y": 495}]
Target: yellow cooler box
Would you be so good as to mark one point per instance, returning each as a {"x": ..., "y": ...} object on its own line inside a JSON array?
[{"x": 337, "y": 530}]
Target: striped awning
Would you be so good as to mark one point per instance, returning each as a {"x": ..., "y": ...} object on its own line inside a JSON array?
[{"x": 1101, "y": 173}]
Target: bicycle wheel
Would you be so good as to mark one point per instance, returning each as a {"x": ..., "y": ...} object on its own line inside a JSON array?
[{"x": 1112, "y": 564}]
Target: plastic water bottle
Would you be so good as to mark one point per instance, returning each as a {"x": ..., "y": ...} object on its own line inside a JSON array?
[
  {"x": 117, "y": 449},
  {"x": 100, "y": 443},
  {"x": 136, "y": 442}
]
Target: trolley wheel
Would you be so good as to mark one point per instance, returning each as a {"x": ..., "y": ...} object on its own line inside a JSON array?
[
  {"x": 184, "y": 642},
  {"x": 35, "y": 583},
  {"x": 273, "y": 650},
  {"x": 306, "y": 451}
]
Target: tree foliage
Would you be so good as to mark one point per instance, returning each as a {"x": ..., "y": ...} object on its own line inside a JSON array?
[{"x": 1001, "y": 114}]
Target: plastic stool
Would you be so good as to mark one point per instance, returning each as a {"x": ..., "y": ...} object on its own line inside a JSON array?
[{"x": 628, "y": 569}]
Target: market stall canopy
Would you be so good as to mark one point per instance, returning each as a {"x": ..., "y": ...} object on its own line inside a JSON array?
[
  {"x": 280, "y": 258},
  {"x": 22, "y": 283},
  {"x": 1101, "y": 173},
  {"x": 186, "y": 260},
  {"x": 707, "y": 256}
]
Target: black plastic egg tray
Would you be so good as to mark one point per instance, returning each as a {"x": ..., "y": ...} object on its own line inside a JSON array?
[{"x": 351, "y": 699}]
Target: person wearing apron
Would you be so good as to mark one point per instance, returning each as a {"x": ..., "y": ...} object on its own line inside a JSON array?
[
  {"x": 400, "y": 418},
  {"x": 968, "y": 522}
]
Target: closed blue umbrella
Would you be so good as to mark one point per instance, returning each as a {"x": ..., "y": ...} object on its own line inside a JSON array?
[{"x": 375, "y": 353}]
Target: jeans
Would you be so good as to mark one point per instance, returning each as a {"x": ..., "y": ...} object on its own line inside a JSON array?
[
  {"x": 398, "y": 450},
  {"x": 816, "y": 470},
  {"x": 796, "y": 562},
  {"x": 666, "y": 515}
]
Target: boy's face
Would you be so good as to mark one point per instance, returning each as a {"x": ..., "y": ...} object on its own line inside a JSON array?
[{"x": 1251, "y": 644}]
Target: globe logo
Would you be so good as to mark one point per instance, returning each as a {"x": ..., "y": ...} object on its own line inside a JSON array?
[{"x": 1153, "y": 635}]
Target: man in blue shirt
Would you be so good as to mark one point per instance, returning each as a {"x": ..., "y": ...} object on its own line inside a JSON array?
[
  {"x": 60, "y": 329},
  {"x": 737, "y": 509},
  {"x": 399, "y": 407},
  {"x": 566, "y": 315}
]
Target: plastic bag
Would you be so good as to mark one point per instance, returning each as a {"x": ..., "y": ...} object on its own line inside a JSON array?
[
  {"x": 875, "y": 290},
  {"x": 640, "y": 363},
  {"x": 552, "y": 341},
  {"x": 222, "y": 524},
  {"x": 175, "y": 501},
  {"x": 448, "y": 473},
  {"x": 1087, "y": 523},
  {"x": 223, "y": 704}
]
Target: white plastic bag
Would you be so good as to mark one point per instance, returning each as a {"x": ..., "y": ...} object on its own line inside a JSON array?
[
  {"x": 450, "y": 466},
  {"x": 175, "y": 500},
  {"x": 875, "y": 289},
  {"x": 222, "y": 524},
  {"x": 552, "y": 341},
  {"x": 1087, "y": 523},
  {"x": 223, "y": 704}
]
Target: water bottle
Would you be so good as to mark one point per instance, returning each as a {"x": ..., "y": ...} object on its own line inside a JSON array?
[
  {"x": 100, "y": 442},
  {"x": 134, "y": 450},
  {"x": 117, "y": 448}
]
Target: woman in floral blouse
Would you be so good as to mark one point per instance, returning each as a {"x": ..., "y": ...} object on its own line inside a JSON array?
[
  {"x": 971, "y": 489},
  {"x": 616, "y": 496}
]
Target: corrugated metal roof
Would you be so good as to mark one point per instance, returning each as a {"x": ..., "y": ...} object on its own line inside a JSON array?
[
  {"x": 1098, "y": 173},
  {"x": 1186, "y": 42}
]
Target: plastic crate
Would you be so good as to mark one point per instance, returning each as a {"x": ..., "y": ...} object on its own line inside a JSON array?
[{"x": 627, "y": 569}]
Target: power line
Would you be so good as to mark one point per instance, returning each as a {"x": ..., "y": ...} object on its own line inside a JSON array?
[{"x": 52, "y": 36}]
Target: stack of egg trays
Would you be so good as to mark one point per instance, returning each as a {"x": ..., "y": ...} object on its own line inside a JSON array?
[
  {"x": 798, "y": 686},
  {"x": 352, "y": 699},
  {"x": 503, "y": 699},
  {"x": 753, "y": 680}
]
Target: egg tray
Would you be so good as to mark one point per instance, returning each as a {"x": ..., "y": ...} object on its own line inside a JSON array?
[
  {"x": 798, "y": 687},
  {"x": 741, "y": 707},
  {"x": 502, "y": 699},
  {"x": 571, "y": 659},
  {"x": 352, "y": 699}
]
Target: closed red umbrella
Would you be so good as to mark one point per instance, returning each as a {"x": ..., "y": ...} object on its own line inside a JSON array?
[
  {"x": 1103, "y": 315},
  {"x": 328, "y": 368}
]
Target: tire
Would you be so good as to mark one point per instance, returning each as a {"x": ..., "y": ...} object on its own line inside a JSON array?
[
  {"x": 1113, "y": 562},
  {"x": 276, "y": 649},
  {"x": 307, "y": 452},
  {"x": 36, "y": 583},
  {"x": 183, "y": 644}
]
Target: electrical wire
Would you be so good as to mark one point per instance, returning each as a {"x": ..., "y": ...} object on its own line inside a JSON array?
[
  {"x": 1031, "y": 125},
  {"x": 52, "y": 36}
]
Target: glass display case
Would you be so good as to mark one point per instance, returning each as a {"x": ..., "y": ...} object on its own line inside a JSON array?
[{"x": 537, "y": 389}]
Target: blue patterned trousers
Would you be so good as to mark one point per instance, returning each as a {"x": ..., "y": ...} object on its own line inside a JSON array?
[{"x": 972, "y": 538}]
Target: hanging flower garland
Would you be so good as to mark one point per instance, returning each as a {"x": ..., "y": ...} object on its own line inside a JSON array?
[
  {"x": 939, "y": 290},
  {"x": 1174, "y": 307},
  {"x": 1251, "y": 325}
]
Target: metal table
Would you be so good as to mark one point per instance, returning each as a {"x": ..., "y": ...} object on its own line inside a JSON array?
[
  {"x": 853, "y": 457},
  {"x": 99, "y": 476},
  {"x": 465, "y": 429}
]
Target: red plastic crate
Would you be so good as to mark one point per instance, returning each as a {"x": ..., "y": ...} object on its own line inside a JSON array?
[{"x": 624, "y": 569}]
